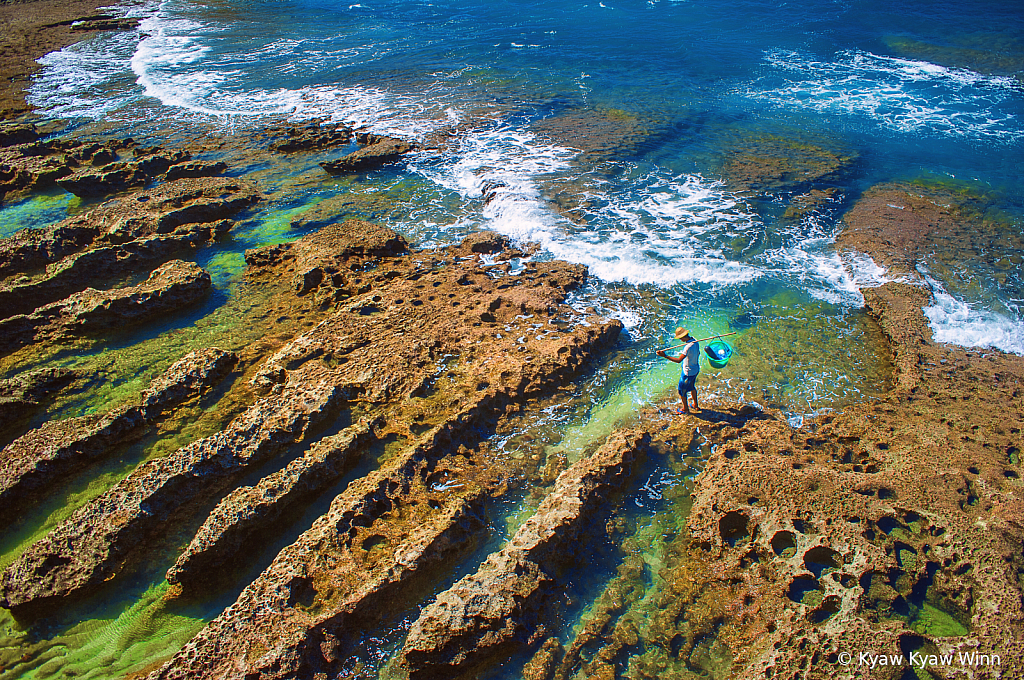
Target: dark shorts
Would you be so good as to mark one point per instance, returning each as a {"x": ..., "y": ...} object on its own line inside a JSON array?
[{"x": 687, "y": 383}]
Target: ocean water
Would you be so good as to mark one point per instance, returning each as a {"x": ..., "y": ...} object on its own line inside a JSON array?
[{"x": 605, "y": 132}]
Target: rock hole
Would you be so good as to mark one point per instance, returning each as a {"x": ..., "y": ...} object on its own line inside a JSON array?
[
  {"x": 805, "y": 590},
  {"x": 731, "y": 453},
  {"x": 784, "y": 544},
  {"x": 374, "y": 541},
  {"x": 733, "y": 527},
  {"x": 820, "y": 559},
  {"x": 888, "y": 525},
  {"x": 829, "y": 606},
  {"x": 301, "y": 592}
]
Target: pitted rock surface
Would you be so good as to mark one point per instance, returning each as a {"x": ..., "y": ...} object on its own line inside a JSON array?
[
  {"x": 441, "y": 345},
  {"x": 34, "y": 462},
  {"x": 894, "y": 526},
  {"x": 249, "y": 509},
  {"x": 496, "y": 610},
  {"x": 26, "y": 391},
  {"x": 378, "y": 151},
  {"x": 433, "y": 338},
  {"x": 76, "y": 271},
  {"x": 140, "y": 215},
  {"x": 95, "y": 543},
  {"x": 169, "y": 288}
]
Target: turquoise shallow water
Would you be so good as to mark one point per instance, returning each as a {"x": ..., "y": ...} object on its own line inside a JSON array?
[{"x": 667, "y": 90}]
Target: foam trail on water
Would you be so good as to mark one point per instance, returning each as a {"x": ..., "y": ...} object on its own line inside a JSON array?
[
  {"x": 900, "y": 94},
  {"x": 959, "y": 323},
  {"x": 88, "y": 80},
  {"x": 660, "y": 230},
  {"x": 825, "y": 274}
]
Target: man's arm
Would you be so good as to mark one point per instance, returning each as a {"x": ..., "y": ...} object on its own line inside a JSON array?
[{"x": 661, "y": 353}]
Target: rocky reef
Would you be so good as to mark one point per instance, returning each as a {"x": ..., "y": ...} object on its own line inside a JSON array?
[
  {"x": 891, "y": 528},
  {"x": 356, "y": 439}
]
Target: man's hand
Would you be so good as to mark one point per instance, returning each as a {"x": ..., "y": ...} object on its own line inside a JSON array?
[{"x": 660, "y": 352}]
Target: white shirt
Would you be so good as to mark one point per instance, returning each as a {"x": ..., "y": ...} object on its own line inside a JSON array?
[{"x": 691, "y": 358}]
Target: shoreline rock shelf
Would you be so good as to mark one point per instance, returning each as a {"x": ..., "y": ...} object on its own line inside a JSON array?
[
  {"x": 40, "y": 458},
  {"x": 498, "y": 610},
  {"x": 893, "y": 525},
  {"x": 169, "y": 288}
]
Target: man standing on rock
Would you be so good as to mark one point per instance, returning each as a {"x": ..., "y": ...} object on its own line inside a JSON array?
[{"x": 690, "y": 358}]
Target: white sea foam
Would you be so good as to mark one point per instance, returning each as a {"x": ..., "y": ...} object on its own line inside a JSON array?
[
  {"x": 85, "y": 80},
  {"x": 901, "y": 94},
  {"x": 655, "y": 231},
  {"x": 969, "y": 325}
]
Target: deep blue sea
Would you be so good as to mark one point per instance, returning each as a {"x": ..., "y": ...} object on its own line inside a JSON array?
[{"x": 929, "y": 90}]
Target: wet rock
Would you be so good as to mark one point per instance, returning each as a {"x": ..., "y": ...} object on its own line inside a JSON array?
[
  {"x": 250, "y": 509},
  {"x": 904, "y": 225},
  {"x": 36, "y": 165},
  {"x": 496, "y": 610},
  {"x": 311, "y": 137},
  {"x": 141, "y": 215},
  {"x": 377, "y": 152},
  {"x": 102, "y": 264},
  {"x": 25, "y": 392},
  {"x": 195, "y": 169},
  {"x": 169, "y": 288},
  {"x": 372, "y": 206},
  {"x": 323, "y": 263},
  {"x": 36, "y": 461},
  {"x": 103, "y": 23},
  {"x": 97, "y": 541},
  {"x": 17, "y": 133},
  {"x": 112, "y": 177}
]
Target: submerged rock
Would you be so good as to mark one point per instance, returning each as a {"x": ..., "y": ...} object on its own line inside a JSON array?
[
  {"x": 169, "y": 288},
  {"x": 418, "y": 333},
  {"x": 33, "y": 463},
  {"x": 378, "y": 151},
  {"x": 497, "y": 610},
  {"x": 599, "y": 133},
  {"x": 144, "y": 214},
  {"x": 251, "y": 509},
  {"x": 776, "y": 162}
]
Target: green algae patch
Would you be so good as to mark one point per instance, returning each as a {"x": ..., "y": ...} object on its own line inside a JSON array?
[
  {"x": 38, "y": 211},
  {"x": 134, "y": 639},
  {"x": 934, "y": 622}
]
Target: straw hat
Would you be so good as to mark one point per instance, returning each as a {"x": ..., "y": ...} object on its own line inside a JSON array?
[{"x": 682, "y": 334}]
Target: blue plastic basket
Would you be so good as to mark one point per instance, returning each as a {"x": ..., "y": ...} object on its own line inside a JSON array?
[{"x": 719, "y": 352}]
